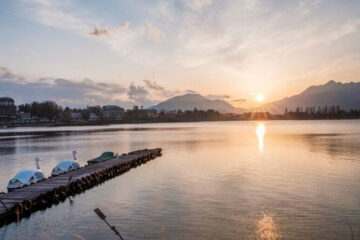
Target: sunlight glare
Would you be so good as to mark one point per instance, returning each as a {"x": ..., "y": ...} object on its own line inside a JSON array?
[
  {"x": 260, "y": 98},
  {"x": 260, "y": 132},
  {"x": 267, "y": 229}
]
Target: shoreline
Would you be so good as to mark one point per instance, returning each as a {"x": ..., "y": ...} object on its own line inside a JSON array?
[{"x": 80, "y": 124}]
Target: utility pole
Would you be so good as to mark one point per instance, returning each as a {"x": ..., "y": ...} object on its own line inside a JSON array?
[{"x": 103, "y": 217}]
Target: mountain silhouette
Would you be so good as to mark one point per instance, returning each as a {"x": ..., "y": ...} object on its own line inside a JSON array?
[
  {"x": 345, "y": 95},
  {"x": 191, "y": 101}
]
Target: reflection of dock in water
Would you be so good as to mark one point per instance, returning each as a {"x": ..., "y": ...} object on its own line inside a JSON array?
[{"x": 24, "y": 201}]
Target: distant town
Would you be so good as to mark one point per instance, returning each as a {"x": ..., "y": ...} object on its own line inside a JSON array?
[{"x": 49, "y": 113}]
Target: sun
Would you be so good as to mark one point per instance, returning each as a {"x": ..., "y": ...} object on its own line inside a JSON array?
[{"x": 259, "y": 98}]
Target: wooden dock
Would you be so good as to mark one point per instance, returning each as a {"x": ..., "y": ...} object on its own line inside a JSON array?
[{"x": 22, "y": 202}]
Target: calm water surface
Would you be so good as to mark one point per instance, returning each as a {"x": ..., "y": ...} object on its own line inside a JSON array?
[{"x": 215, "y": 180}]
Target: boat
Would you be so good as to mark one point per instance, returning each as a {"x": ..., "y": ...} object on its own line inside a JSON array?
[
  {"x": 26, "y": 177},
  {"x": 66, "y": 165},
  {"x": 103, "y": 157}
]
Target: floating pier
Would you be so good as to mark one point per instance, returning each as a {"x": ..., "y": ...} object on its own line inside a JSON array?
[{"x": 22, "y": 202}]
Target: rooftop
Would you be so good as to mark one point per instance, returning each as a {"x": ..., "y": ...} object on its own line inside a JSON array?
[
  {"x": 6, "y": 99},
  {"x": 112, "y": 107}
]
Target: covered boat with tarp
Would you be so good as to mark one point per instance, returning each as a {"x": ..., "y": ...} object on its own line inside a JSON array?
[{"x": 103, "y": 157}]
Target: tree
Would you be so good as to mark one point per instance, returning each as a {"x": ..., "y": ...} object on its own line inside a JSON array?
[
  {"x": 85, "y": 114},
  {"x": 46, "y": 109},
  {"x": 67, "y": 114}
]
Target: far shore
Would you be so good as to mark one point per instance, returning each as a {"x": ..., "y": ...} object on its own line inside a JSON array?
[{"x": 75, "y": 124}]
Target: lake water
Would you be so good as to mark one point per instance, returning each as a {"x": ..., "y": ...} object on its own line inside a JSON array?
[{"x": 215, "y": 180}]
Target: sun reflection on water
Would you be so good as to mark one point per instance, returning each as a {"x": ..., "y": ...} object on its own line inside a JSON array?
[
  {"x": 267, "y": 229},
  {"x": 260, "y": 132}
]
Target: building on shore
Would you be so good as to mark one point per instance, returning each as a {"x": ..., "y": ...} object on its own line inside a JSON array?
[
  {"x": 112, "y": 113},
  {"x": 24, "y": 117},
  {"x": 7, "y": 109},
  {"x": 76, "y": 116},
  {"x": 151, "y": 113},
  {"x": 93, "y": 117}
]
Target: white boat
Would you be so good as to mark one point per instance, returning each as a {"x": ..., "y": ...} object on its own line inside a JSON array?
[
  {"x": 66, "y": 165},
  {"x": 26, "y": 177}
]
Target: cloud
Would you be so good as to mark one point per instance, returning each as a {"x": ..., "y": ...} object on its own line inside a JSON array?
[
  {"x": 189, "y": 91},
  {"x": 125, "y": 25},
  {"x": 153, "y": 33},
  {"x": 23, "y": 51},
  {"x": 160, "y": 92},
  {"x": 306, "y": 6},
  {"x": 204, "y": 31},
  {"x": 73, "y": 93},
  {"x": 134, "y": 43},
  {"x": 197, "y": 5},
  {"x": 241, "y": 100},
  {"x": 54, "y": 14},
  {"x": 81, "y": 93},
  {"x": 65, "y": 92},
  {"x": 228, "y": 98},
  {"x": 153, "y": 85},
  {"x": 7, "y": 75},
  {"x": 241, "y": 37},
  {"x": 101, "y": 32},
  {"x": 219, "y": 97},
  {"x": 137, "y": 93}
]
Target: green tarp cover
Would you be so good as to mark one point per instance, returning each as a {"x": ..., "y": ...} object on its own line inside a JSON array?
[{"x": 103, "y": 157}]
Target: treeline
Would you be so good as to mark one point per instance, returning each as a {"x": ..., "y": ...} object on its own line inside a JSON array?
[
  {"x": 55, "y": 113},
  {"x": 46, "y": 109},
  {"x": 325, "y": 112},
  {"x": 84, "y": 112},
  {"x": 196, "y": 114},
  {"x": 52, "y": 111},
  {"x": 132, "y": 115}
]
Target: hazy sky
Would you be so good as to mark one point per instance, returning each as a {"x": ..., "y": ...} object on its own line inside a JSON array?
[{"x": 228, "y": 49}]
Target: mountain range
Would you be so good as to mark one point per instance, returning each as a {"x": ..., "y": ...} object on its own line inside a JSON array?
[
  {"x": 191, "y": 101},
  {"x": 345, "y": 95}
]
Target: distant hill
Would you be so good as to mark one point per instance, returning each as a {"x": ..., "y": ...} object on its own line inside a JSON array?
[
  {"x": 191, "y": 101},
  {"x": 345, "y": 95}
]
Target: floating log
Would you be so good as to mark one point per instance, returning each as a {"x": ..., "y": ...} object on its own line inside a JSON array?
[{"x": 22, "y": 202}]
